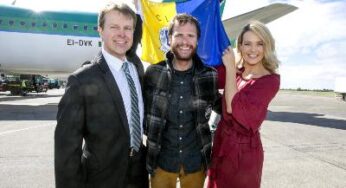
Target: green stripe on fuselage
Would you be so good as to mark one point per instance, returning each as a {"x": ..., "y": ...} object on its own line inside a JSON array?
[{"x": 13, "y": 19}]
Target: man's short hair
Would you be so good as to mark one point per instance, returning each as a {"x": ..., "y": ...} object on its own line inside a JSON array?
[
  {"x": 120, "y": 7},
  {"x": 182, "y": 19}
]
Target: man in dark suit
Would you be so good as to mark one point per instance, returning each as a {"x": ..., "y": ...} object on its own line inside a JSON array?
[{"x": 103, "y": 106}]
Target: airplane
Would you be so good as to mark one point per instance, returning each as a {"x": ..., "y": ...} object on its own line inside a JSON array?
[
  {"x": 56, "y": 43},
  {"x": 264, "y": 14},
  {"x": 46, "y": 42}
]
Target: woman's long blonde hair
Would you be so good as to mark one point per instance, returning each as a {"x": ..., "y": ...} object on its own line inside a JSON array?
[{"x": 270, "y": 60}]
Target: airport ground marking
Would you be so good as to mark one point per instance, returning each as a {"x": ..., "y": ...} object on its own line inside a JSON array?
[{"x": 24, "y": 129}]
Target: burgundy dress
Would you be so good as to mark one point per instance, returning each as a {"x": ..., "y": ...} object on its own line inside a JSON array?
[{"x": 237, "y": 154}]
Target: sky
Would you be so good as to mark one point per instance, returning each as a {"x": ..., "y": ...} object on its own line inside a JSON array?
[{"x": 310, "y": 41}]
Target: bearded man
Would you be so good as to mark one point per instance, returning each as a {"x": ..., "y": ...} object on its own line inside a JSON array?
[{"x": 179, "y": 95}]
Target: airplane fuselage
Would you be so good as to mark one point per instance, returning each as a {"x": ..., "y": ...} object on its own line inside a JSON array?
[{"x": 46, "y": 42}]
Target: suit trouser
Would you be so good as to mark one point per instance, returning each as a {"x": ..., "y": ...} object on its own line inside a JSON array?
[
  {"x": 137, "y": 175},
  {"x": 166, "y": 179}
]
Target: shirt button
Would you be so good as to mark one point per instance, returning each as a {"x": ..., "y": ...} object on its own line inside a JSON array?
[
  {"x": 180, "y": 138},
  {"x": 181, "y": 82},
  {"x": 181, "y": 111},
  {"x": 180, "y": 151},
  {"x": 181, "y": 97},
  {"x": 181, "y": 126}
]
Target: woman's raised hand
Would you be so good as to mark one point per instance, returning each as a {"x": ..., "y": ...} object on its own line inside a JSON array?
[{"x": 228, "y": 57}]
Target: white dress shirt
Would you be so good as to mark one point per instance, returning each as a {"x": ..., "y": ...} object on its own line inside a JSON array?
[{"x": 115, "y": 65}]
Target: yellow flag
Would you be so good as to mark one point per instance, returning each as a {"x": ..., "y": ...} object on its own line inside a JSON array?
[{"x": 156, "y": 17}]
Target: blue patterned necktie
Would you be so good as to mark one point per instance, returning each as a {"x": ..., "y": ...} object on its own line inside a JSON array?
[{"x": 135, "y": 122}]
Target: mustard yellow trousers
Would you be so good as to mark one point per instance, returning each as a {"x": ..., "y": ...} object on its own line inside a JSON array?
[{"x": 164, "y": 179}]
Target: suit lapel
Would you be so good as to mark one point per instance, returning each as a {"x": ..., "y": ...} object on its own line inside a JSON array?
[
  {"x": 139, "y": 66},
  {"x": 114, "y": 90}
]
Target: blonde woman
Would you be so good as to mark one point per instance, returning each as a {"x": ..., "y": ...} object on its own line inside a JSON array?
[{"x": 249, "y": 86}]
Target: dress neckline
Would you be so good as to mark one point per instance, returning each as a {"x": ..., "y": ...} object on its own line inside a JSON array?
[{"x": 240, "y": 73}]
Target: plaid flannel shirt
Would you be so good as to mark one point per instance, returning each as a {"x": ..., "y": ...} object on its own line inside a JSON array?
[{"x": 157, "y": 80}]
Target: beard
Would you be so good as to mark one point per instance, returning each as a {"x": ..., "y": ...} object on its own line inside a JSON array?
[{"x": 181, "y": 57}]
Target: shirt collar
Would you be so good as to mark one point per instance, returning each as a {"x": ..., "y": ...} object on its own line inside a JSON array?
[{"x": 113, "y": 62}]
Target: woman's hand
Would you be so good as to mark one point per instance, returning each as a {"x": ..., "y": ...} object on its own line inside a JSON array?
[{"x": 228, "y": 57}]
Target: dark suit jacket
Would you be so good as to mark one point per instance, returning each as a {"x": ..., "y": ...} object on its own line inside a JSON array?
[{"x": 92, "y": 108}]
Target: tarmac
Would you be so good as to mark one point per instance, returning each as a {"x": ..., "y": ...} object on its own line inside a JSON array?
[{"x": 304, "y": 139}]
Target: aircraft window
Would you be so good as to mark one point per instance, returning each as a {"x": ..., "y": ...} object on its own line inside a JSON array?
[
  {"x": 22, "y": 23},
  {"x": 11, "y": 22},
  {"x": 85, "y": 27},
  {"x": 75, "y": 27},
  {"x": 95, "y": 28},
  {"x": 65, "y": 26},
  {"x": 44, "y": 24},
  {"x": 0, "y": 21},
  {"x": 55, "y": 25},
  {"x": 33, "y": 24}
]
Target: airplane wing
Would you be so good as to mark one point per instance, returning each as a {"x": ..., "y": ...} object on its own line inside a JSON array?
[{"x": 265, "y": 14}]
